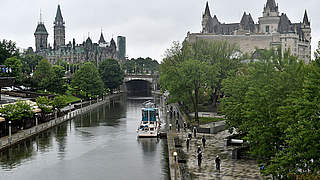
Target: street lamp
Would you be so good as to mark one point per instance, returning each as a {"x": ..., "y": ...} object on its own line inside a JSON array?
[
  {"x": 175, "y": 165},
  {"x": 37, "y": 110},
  {"x": 9, "y": 130}
]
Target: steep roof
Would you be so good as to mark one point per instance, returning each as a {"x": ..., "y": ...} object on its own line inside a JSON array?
[
  {"x": 246, "y": 19},
  {"x": 271, "y": 4},
  {"x": 306, "y": 19},
  {"x": 59, "y": 14},
  {"x": 207, "y": 10},
  {"x": 101, "y": 40},
  {"x": 285, "y": 24},
  {"x": 41, "y": 29}
]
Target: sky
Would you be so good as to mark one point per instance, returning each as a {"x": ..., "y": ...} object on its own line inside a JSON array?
[{"x": 150, "y": 26}]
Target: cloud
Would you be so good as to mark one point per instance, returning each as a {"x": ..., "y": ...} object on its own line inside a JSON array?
[{"x": 149, "y": 25}]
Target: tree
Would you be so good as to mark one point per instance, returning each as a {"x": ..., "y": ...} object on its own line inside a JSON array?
[
  {"x": 88, "y": 80},
  {"x": 58, "y": 83},
  {"x": 255, "y": 100},
  {"x": 7, "y": 49},
  {"x": 43, "y": 75},
  {"x": 17, "y": 111},
  {"x": 44, "y": 104},
  {"x": 30, "y": 61},
  {"x": 111, "y": 74},
  {"x": 16, "y": 66},
  {"x": 59, "y": 102}
]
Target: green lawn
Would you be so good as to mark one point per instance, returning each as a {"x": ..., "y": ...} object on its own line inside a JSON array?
[{"x": 71, "y": 99}]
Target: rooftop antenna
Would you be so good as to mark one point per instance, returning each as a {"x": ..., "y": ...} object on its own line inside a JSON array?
[{"x": 40, "y": 17}]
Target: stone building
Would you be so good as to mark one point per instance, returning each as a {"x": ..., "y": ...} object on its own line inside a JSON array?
[
  {"x": 272, "y": 30},
  {"x": 71, "y": 52}
]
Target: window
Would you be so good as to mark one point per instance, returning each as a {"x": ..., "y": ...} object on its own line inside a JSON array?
[{"x": 267, "y": 29}]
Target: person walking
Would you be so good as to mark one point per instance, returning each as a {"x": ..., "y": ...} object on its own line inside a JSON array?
[
  {"x": 194, "y": 131},
  {"x": 218, "y": 163},
  {"x": 199, "y": 149},
  {"x": 199, "y": 159},
  {"x": 184, "y": 126},
  {"x": 188, "y": 144},
  {"x": 203, "y": 141},
  {"x": 189, "y": 135},
  {"x": 178, "y": 127}
]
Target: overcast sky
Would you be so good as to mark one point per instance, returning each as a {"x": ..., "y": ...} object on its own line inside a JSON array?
[{"x": 150, "y": 26}]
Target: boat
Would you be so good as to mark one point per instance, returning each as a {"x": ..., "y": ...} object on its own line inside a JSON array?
[{"x": 149, "y": 126}]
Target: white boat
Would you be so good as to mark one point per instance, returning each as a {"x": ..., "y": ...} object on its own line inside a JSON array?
[{"x": 150, "y": 121}]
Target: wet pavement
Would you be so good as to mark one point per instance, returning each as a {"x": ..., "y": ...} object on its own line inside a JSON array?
[{"x": 230, "y": 168}]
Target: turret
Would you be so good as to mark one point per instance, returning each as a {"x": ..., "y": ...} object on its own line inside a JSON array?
[
  {"x": 206, "y": 18},
  {"x": 59, "y": 30},
  {"x": 305, "y": 27},
  {"x": 271, "y": 9},
  {"x": 41, "y": 36}
]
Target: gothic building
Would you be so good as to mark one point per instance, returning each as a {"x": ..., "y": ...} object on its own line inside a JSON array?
[
  {"x": 272, "y": 30},
  {"x": 71, "y": 52}
]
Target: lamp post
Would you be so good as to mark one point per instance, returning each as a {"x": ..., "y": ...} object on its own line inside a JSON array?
[
  {"x": 9, "y": 131},
  {"x": 36, "y": 111},
  {"x": 175, "y": 164}
]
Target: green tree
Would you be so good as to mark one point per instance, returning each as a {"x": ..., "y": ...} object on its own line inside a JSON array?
[
  {"x": 44, "y": 103},
  {"x": 16, "y": 66},
  {"x": 88, "y": 80},
  {"x": 30, "y": 61},
  {"x": 7, "y": 49},
  {"x": 17, "y": 111},
  {"x": 255, "y": 97},
  {"x": 111, "y": 74},
  {"x": 58, "y": 83},
  {"x": 43, "y": 75},
  {"x": 59, "y": 102}
]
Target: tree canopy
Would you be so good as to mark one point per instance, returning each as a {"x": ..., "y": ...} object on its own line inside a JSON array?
[
  {"x": 87, "y": 81},
  {"x": 111, "y": 73},
  {"x": 7, "y": 49}
]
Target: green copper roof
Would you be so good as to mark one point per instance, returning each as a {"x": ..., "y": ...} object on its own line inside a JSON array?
[
  {"x": 41, "y": 29},
  {"x": 59, "y": 15},
  {"x": 101, "y": 39}
]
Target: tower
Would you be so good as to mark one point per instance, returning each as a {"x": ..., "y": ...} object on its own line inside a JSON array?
[
  {"x": 59, "y": 30},
  {"x": 41, "y": 36},
  {"x": 206, "y": 18},
  {"x": 270, "y": 20},
  {"x": 305, "y": 27},
  {"x": 121, "y": 42}
]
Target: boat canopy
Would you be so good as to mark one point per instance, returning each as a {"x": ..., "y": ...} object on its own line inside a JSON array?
[{"x": 149, "y": 113}]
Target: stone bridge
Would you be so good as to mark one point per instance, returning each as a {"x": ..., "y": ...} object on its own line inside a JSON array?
[{"x": 141, "y": 84}]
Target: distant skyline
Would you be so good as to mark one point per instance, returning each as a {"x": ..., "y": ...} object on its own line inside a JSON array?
[{"x": 150, "y": 26}]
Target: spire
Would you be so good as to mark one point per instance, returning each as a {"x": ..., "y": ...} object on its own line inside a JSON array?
[
  {"x": 306, "y": 19},
  {"x": 207, "y": 10},
  {"x": 271, "y": 4},
  {"x": 59, "y": 15},
  {"x": 101, "y": 41},
  {"x": 40, "y": 22}
]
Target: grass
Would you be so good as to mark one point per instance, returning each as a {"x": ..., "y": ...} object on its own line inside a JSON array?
[{"x": 71, "y": 99}]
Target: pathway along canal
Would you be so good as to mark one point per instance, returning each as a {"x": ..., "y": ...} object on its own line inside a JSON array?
[{"x": 102, "y": 144}]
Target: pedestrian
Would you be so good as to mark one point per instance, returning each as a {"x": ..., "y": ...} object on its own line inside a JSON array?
[
  {"x": 203, "y": 141},
  {"x": 177, "y": 122},
  {"x": 195, "y": 131},
  {"x": 184, "y": 126},
  {"x": 170, "y": 125},
  {"x": 199, "y": 159},
  {"x": 218, "y": 162},
  {"x": 188, "y": 144},
  {"x": 189, "y": 135},
  {"x": 199, "y": 149},
  {"x": 178, "y": 127}
]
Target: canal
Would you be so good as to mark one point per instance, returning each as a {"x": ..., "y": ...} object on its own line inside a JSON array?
[{"x": 98, "y": 145}]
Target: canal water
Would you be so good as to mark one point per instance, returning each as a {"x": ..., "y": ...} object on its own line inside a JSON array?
[{"x": 98, "y": 145}]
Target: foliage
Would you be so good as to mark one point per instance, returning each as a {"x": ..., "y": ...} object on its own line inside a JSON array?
[
  {"x": 111, "y": 73},
  {"x": 59, "y": 102},
  {"x": 7, "y": 49},
  {"x": 44, "y": 104},
  {"x": 87, "y": 80},
  {"x": 273, "y": 102},
  {"x": 30, "y": 61},
  {"x": 43, "y": 74},
  {"x": 141, "y": 66},
  {"x": 17, "y": 111},
  {"x": 16, "y": 66},
  {"x": 50, "y": 78}
]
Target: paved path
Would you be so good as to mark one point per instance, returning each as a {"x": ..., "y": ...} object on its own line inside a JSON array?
[{"x": 230, "y": 169}]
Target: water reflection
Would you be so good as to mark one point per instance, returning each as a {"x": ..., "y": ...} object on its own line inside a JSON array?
[{"x": 101, "y": 144}]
